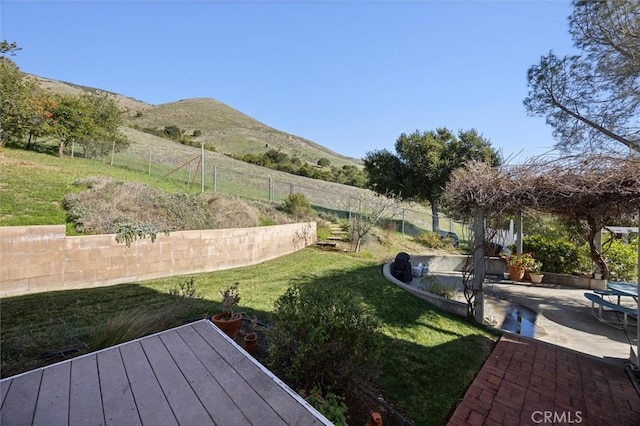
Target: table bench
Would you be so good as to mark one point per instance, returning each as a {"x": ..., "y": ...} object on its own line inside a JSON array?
[{"x": 601, "y": 302}]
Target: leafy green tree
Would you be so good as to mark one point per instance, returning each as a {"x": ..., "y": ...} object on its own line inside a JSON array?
[
  {"x": 423, "y": 164},
  {"x": 7, "y": 48},
  {"x": 17, "y": 95},
  {"x": 592, "y": 101},
  {"x": 91, "y": 120},
  {"x": 40, "y": 121}
]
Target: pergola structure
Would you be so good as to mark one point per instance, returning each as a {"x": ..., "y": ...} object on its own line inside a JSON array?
[{"x": 595, "y": 190}]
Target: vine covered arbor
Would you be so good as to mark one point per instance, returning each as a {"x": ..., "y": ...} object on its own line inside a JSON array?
[{"x": 594, "y": 191}]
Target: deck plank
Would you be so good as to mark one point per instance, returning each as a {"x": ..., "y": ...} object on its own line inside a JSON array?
[
  {"x": 4, "y": 389},
  {"x": 117, "y": 399},
  {"x": 85, "y": 400},
  {"x": 20, "y": 403},
  {"x": 183, "y": 401},
  {"x": 291, "y": 410},
  {"x": 52, "y": 407},
  {"x": 230, "y": 369},
  {"x": 153, "y": 406},
  {"x": 215, "y": 400},
  {"x": 188, "y": 375}
]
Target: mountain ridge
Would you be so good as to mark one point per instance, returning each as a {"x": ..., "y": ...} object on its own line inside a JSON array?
[{"x": 230, "y": 131}]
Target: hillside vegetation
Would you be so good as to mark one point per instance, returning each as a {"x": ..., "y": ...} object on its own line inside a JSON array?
[
  {"x": 179, "y": 166},
  {"x": 228, "y": 130}
]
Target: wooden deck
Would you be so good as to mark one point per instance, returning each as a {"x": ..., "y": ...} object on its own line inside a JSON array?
[{"x": 190, "y": 375}]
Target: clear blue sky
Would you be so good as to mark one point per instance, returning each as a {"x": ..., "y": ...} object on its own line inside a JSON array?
[{"x": 349, "y": 75}]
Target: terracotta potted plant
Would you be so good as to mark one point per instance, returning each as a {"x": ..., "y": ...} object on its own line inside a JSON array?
[
  {"x": 517, "y": 265},
  {"x": 227, "y": 320},
  {"x": 535, "y": 272},
  {"x": 251, "y": 338}
]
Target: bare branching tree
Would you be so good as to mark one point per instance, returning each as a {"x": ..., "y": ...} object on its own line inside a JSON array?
[{"x": 367, "y": 211}]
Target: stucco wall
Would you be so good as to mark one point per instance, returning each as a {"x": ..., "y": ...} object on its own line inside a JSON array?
[{"x": 43, "y": 258}]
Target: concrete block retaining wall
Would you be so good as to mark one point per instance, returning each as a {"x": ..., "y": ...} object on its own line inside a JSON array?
[{"x": 42, "y": 258}]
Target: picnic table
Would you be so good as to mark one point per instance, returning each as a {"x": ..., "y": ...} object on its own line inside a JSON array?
[
  {"x": 614, "y": 288},
  {"x": 620, "y": 288}
]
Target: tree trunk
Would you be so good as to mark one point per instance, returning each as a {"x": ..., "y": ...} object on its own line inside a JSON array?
[
  {"x": 358, "y": 245},
  {"x": 435, "y": 219},
  {"x": 596, "y": 255},
  {"x": 61, "y": 149}
]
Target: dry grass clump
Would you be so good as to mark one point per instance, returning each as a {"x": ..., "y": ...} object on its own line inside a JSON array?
[
  {"x": 107, "y": 203},
  {"x": 231, "y": 212},
  {"x": 129, "y": 325}
]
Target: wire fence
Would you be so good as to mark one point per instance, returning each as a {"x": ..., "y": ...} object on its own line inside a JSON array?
[{"x": 192, "y": 170}]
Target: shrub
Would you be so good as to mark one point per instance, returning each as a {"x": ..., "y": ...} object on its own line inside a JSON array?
[
  {"x": 431, "y": 240},
  {"x": 323, "y": 231},
  {"x": 324, "y": 162},
  {"x": 556, "y": 255},
  {"x": 129, "y": 232},
  {"x": 185, "y": 288},
  {"x": 622, "y": 260},
  {"x": 331, "y": 406},
  {"x": 266, "y": 221},
  {"x": 173, "y": 132},
  {"x": 297, "y": 204},
  {"x": 323, "y": 336}
]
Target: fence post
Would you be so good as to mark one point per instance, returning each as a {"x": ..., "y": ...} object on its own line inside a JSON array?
[
  {"x": 403, "y": 210},
  {"x": 215, "y": 178},
  {"x": 149, "y": 161},
  {"x": 292, "y": 188},
  {"x": 202, "y": 174},
  {"x": 113, "y": 151},
  {"x": 270, "y": 189}
]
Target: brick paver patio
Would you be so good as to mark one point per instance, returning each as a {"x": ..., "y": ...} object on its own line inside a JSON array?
[{"x": 529, "y": 382}]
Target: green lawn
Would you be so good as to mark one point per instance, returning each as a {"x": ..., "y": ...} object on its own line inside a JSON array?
[
  {"x": 429, "y": 359},
  {"x": 32, "y": 185}
]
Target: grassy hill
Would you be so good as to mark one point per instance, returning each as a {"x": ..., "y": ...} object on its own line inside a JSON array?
[
  {"x": 171, "y": 164},
  {"x": 229, "y": 130}
]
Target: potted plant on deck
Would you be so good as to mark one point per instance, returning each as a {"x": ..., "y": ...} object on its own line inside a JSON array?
[
  {"x": 518, "y": 264},
  {"x": 227, "y": 320}
]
